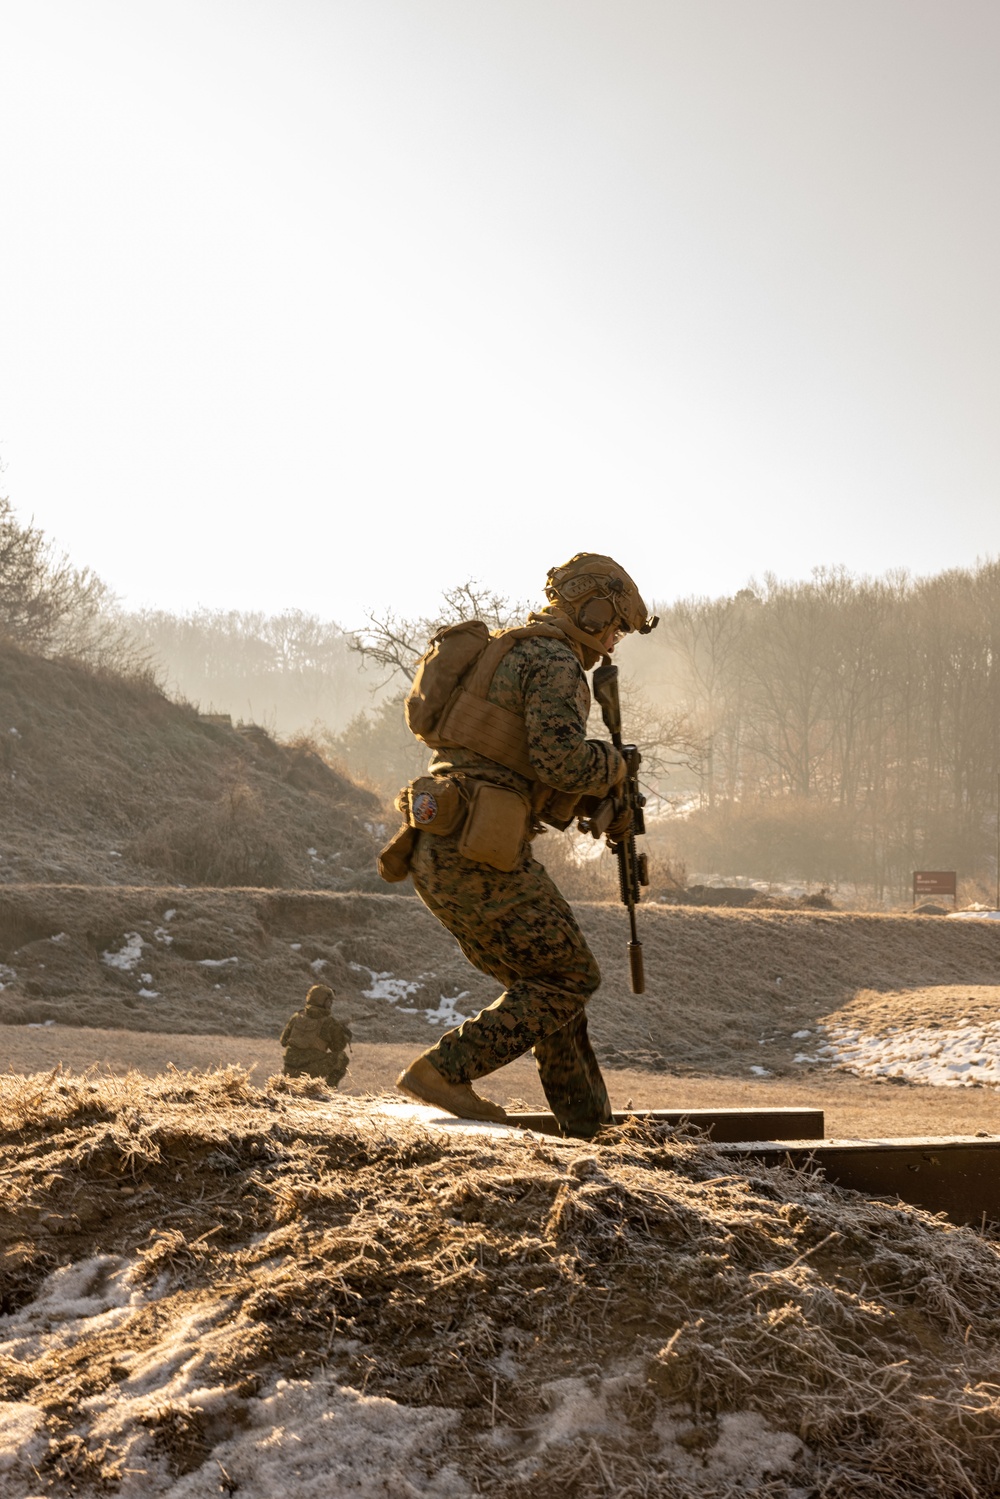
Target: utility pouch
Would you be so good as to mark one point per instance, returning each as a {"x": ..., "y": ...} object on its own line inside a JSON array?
[
  {"x": 496, "y": 827},
  {"x": 557, "y": 808},
  {"x": 432, "y": 804},
  {"x": 395, "y": 859}
]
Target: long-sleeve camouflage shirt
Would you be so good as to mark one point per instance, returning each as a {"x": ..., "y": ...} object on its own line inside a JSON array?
[{"x": 542, "y": 681}]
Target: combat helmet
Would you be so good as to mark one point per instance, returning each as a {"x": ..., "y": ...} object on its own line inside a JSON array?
[
  {"x": 596, "y": 593},
  {"x": 320, "y": 997}
]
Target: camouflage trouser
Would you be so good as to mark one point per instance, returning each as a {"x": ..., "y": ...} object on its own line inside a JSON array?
[
  {"x": 518, "y": 928},
  {"x": 330, "y": 1065}
]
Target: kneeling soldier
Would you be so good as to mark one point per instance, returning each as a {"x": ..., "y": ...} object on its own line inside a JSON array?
[{"x": 315, "y": 1044}]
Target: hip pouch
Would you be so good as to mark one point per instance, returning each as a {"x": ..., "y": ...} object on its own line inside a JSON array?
[
  {"x": 395, "y": 859},
  {"x": 496, "y": 827},
  {"x": 432, "y": 804}
]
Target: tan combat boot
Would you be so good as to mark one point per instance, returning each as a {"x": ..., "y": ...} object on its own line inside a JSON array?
[{"x": 422, "y": 1081}]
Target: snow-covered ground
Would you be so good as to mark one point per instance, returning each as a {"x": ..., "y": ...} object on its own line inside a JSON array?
[
  {"x": 305, "y": 1439},
  {"x": 958, "y": 1057},
  {"x": 310, "y": 1439}
]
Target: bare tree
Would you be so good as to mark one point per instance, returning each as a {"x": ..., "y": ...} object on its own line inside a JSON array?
[
  {"x": 28, "y": 608},
  {"x": 50, "y": 606},
  {"x": 395, "y": 644}
]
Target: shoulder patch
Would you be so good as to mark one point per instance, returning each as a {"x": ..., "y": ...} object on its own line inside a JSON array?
[{"x": 424, "y": 808}]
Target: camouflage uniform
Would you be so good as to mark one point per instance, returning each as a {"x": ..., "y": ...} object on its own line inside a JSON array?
[
  {"x": 516, "y": 926},
  {"x": 315, "y": 1045}
]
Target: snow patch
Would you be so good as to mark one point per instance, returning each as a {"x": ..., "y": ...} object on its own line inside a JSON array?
[
  {"x": 96, "y": 1291},
  {"x": 745, "y": 1448},
  {"x": 216, "y": 962},
  {"x": 741, "y": 1448},
  {"x": 961, "y": 1057},
  {"x": 446, "y": 1014},
  {"x": 128, "y": 957},
  {"x": 304, "y": 1438},
  {"x": 19, "y": 1444},
  {"x": 386, "y": 986}
]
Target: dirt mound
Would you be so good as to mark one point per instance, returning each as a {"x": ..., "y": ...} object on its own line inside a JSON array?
[
  {"x": 230, "y": 962},
  {"x": 103, "y": 780},
  {"x": 207, "y": 1288}
]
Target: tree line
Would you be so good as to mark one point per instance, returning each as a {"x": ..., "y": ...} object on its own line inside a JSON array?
[
  {"x": 291, "y": 672},
  {"x": 848, "y": 727}
]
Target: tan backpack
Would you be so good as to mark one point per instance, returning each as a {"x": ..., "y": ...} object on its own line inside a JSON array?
[
  {"x": 448, "y": 704},
  {"x": 303, "y": 1031},
  {"x": 448, "y": 657}
]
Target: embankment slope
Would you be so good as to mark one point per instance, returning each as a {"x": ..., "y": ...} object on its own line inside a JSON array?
[
  {"x": 719, "y": 983},
  {"x": 104, "y": 780}
]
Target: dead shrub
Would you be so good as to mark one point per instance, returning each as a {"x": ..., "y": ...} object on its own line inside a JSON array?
[{"x": 230, "y": 842}]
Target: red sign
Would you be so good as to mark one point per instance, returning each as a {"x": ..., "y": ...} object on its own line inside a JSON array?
[{"x": 935, "y": 882}]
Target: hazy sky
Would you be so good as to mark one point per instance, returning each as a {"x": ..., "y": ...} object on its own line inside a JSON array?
[{"x": 336, "y": 304}]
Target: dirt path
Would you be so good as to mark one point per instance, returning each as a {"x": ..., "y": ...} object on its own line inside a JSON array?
[{"x": 853, "y": 1107}]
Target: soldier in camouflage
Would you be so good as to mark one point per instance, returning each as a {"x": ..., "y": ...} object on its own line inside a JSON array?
[
  {"x": 516, "y": 926},
  {"x": 315, "y": 1043}
]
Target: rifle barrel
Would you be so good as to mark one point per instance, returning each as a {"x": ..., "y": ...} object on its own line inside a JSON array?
[{"x": 636, "y": 969}]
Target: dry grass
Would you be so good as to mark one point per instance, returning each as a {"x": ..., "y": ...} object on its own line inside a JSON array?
[{"x": 607, "y": 1320}]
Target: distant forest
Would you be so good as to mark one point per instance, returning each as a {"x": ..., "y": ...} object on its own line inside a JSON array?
[
  {"x": 292, "y": 672},
  {"x": 840, "y": 729},
  {"x": 843, "y": 728}
]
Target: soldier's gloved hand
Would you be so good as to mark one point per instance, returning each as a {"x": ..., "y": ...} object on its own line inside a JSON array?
[{"x": 622, "y": 823}]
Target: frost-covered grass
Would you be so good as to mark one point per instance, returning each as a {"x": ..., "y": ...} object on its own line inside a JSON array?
[{"x": 213, "y": 1288}]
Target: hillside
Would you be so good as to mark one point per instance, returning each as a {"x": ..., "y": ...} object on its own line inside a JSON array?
[{"x": 104, "y": 781}]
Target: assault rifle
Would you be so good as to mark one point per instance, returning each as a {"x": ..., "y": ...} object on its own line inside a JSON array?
[{"x": 633, "y": 867}]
